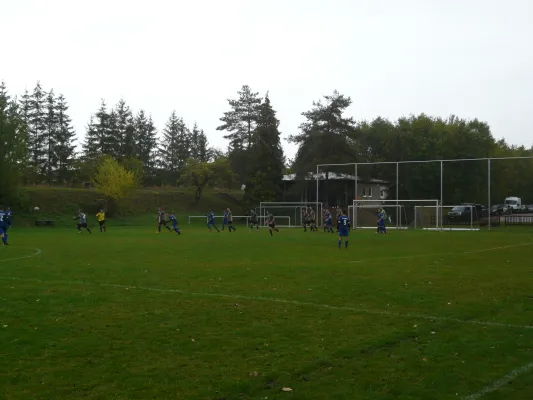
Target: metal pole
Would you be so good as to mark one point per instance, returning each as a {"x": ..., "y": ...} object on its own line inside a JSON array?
[
  {"x": 441, "y": 192},
  {"x": 488, "y": 206},
  {"x": 354, "y": 218},
  {"x": 316, "y": 208},
  {"x": 397, "y": 192}
]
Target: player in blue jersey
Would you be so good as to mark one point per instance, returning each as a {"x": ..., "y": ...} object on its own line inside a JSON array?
[
  {"x": 381, "y": 221},
  {"x": 172, "y": 218},
  {"x": 343, "y": 227},
  {"x": 225, "y": 219},
  {"x": 82, "y": 221},
  {"x": 328, "y": 222},
  {"x": 211, "y": 221},
  {"x": 3, "y": 226}
]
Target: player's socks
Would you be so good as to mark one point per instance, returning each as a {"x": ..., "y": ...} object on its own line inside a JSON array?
[
  {"x": 88, "y": 230},
  {"x": 346, "y": 244},
  {"x": 339, "y": 242}
]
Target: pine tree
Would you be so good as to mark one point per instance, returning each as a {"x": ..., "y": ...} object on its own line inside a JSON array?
[
  {"x": 199, "y": 145},
  {"x": 65, "y": 147},
  {"x": 50, "y": 138},
  {"x": 92, "y": 148},
  {"x": 125, "y": 131},
  {"x": 241, "y": 120},
  {"x": 145, "y": 133},
  {"x": 169, "y": 154},
  {"x": 113, "y": 139},
  {"x": 4, "y": 95},
  {"x": 268, "y": 160},
  {"x": 37, "y": 131}
]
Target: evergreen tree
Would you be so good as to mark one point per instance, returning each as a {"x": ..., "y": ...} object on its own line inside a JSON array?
[
  {"x": 37, "y": 131},
  {"x": 125, "y": 131},
  {"x": 241, "y": 120},
  {"x": 199, "y": 145},
  {"x": 113, "y": 139},
  {"x": 145, "y": 133},
  {"x": 169, "y": 150},
  {"x": 268, "y": 161},
  {"x": 65, "y": 147},
  {"x": 50, "y": 138},
  {"x": 92, "y": 148}
]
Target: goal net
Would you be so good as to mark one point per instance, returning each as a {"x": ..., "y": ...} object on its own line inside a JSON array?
[
  {"x": 464, "y": 217},
  {"x": 399, "y": 214},
  {"x": 293, "y": 210}
]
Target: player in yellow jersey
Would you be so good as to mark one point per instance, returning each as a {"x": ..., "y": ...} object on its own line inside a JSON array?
[{"x": 101, "y": 220}]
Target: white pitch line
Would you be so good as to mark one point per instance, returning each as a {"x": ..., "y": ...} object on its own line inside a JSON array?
[
  {"x": 500, "y": 382},
  {"x": 442, "y": 254},
  {"x": 37, "y": 252},
  {"x": 281, "y": 301}
]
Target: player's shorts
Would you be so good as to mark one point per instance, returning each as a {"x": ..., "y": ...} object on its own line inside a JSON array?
[
  {"x": 211, "y": 222},
  {"x": 312, "y": 221},
  {"x": 162, "y": 222},
  {"x": 272, "y": 225},
  {"x": 83, "y": 225},
  {"x": 3, "y": 228},
  {"x": 255, "y": 221},
  {"x": 328, "y": 223},
  {"x": 229, "y": 223},
  {"x": 102, "y": 222},
  {"x": 343, "y": 232}
]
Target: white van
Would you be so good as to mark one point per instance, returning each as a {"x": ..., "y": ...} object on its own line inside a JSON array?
[{"x": 513, "y": 203}]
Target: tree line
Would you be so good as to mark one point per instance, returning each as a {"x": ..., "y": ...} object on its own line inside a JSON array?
[{"x": 38, "y": 145}]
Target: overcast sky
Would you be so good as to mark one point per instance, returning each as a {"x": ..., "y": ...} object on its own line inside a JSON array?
[{"x": 471, "y": 58}]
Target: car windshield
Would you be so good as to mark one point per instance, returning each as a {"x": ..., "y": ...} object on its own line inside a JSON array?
[
  {"x": 459, "y": 208},
  {"x": 511, "y": 202}
]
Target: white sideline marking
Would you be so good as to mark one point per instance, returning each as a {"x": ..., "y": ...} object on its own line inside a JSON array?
[
  {"x": 274, "y": 300},
  {"x": 500, "y": 382},
  {"x": 37, "y": 252},
  {"x": 443, "y": 254}
]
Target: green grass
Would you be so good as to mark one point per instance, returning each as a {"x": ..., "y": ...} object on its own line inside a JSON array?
[{"x": 134, "y": 315}]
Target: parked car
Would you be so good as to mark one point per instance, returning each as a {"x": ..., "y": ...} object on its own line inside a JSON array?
[
  {"x": 467, "y": 212},
  {"x": 499, "y": 209},
  {"x": 529, "y": 208}
]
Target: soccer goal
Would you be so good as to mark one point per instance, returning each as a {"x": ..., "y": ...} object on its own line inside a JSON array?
[
  {"x": 293, "y": 210},
  {"x": 449, "y": 218},
  {"x": 399, "y": 214}
]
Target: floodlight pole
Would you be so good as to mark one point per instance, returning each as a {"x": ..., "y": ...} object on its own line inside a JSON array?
[
  {"x": 488, "y": 206},
  {"x": 397, "y": 191},
  {"x": 317, "y": 180},
  {"x": 441, "y": 191},
  {"x": 356, "y": 179}
]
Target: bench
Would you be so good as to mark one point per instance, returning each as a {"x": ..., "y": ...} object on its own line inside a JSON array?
[{"x": 44, "y": 223}]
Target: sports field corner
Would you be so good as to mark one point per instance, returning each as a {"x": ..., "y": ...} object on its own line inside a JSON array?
[{"x": 131, "y": 314}]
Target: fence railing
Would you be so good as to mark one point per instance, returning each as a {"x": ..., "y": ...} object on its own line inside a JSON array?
[{"x": 518, "y": 220}]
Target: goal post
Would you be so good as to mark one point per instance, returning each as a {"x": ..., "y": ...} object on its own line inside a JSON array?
[
  {"x": 400, "y": 214},
  {"x": 293, "y": 210},
  {"x": 452, "y": 218}
]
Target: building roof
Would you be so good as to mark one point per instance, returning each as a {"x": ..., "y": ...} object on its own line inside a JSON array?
[{"x": 332, "y": 176}]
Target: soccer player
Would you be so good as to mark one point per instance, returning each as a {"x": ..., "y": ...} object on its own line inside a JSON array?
[
  {"x": 8, "y": 219},
  {"x": 161, "y": 218},
  {"x": 101, "y": 220},
  {"x": 225, "y": 220},
  {"x": 82, "y": 221},
  {"x": 305, "y": 217},
  {"x": 328, "y": 224},
  {"x": 339, "y": 213},
  {"x": 271, "y": 221},
  {"x": 211, "y": 221},
  {"x": 174, "y": 221},
  {"x": 343, "y": 227},
  {"x": 3, "y": 226},
  {"x": 312, "y": 219},
  {"x": 381, "y": 221},
  {"x": 254, "y": 220},
  {"x": 230, "y": 220}
]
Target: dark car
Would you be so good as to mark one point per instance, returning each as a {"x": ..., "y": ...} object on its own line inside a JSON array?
[
  {"x": 499, "y": 209},
  {"x": 467, "y": 212}
]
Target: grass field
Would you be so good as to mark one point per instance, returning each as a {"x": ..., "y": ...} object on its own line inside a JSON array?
[{"x": 134, "y": 315}]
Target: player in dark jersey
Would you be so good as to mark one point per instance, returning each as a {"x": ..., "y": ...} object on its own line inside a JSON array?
[
  {"x": 312, "y": 219},
  {"x": 305, "y": 218},
  {"x": 3, "y": 226},
  {"x": 172, "y": 218},
  {"x": 211, "y": 221},
  {"x": 343, "y": 226},
  {"x": 254, "y": 220},
  {"x": 161, "y": 218},
  {"x": 225, "y": 220},
  {"x": 82, "y": 222},
  {"x": 271, "y": 221}
]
